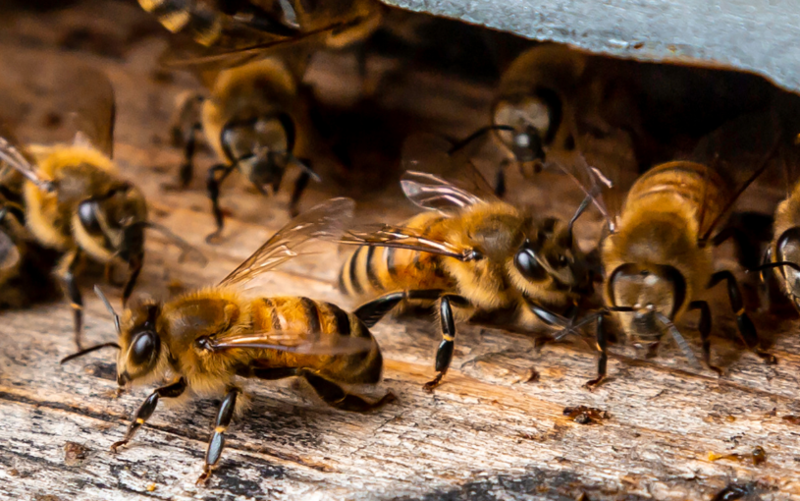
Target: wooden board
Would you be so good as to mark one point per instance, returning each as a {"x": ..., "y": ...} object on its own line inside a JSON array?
[{"x": 485, "y": 434}]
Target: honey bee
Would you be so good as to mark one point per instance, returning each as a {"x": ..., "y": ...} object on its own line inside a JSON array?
[
  {"x": 204, "y": 341},
  {"x": 658, "y": 258},
  {"x": 558, "y": 105},
  {"x": 252, "y": 22},
  {"x": 74, "y": 199},
  {"x": 256, "y": 120},
  {"x": 470, "y": 254}
]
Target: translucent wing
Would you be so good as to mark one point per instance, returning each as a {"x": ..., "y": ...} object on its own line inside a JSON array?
[
  {"x": 9, "y": 253},
  {"x": 404, "y": 238},
  {"x": 326, "y": 221},
  {"x": 14, "y": 156},
  {"x": 300, "y": 342},
  {"x": 437, "y": 180},
  {"x": 86, "y": 96}
]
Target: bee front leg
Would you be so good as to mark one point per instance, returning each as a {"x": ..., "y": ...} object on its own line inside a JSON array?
[
  {"x": 213, "y": 182},
  {"x": 705, "y": 332},
  {"x": 746, "y": 327},
  {"x": 299, "y": 187},
  {"x": 67, "y": 271},
  {"x": 147, "y": 408},
  {"x": 602, "y": 362},
  {"x": 335, "y": 396},
  {"x": 224, "y": 416}
]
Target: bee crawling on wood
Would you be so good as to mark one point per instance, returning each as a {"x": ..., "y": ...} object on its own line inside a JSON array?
[
  {"x": 658, "y": 258},
  {"x": 470, "y": 254},
  {"x": 73, "y": 197},
  {"x": 205, "y": 341}
]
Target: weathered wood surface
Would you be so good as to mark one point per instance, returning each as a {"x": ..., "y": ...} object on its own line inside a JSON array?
[{"x": 484, "y": 434}]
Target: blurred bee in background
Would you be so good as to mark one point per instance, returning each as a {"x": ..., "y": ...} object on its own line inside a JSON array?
[
  {"x": 557, "y": 105},
  {"x": 471, "y": 254},
  {"x": 73, "y": 197},
  {"x": 250, "y": 23},
  {"x": 204, "y": 341},
  {"x": 256, "y": 120},
  {"x": 659, "y": 257}
]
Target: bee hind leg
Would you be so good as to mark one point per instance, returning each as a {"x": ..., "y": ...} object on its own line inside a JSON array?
[
  {"x": 746, "y": 327},
  {"x": 705, "y": 332},
  {"x": 217, "y": 442},
  {"x": 335, "y": 396}
]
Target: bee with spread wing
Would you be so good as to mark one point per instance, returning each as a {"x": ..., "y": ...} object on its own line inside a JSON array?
[
  {"x": 468, "y": 252},
  {"x": 208, "y": 340}
]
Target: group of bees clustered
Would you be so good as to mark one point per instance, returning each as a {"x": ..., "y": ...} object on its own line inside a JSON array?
[{"x": 468, "y": 254}]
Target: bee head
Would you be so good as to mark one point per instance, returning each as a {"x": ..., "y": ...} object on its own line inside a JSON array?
[
  {"x": 649, "y": 289},
  {"x": 104, "y": 222},
  {"x": 787, "y": 249},
  {"x": 535, "y": 119},
  {"x": 140, "y": 345},
  {"x": 550, "y": 253},
  {"x": 261, "y": 147}
]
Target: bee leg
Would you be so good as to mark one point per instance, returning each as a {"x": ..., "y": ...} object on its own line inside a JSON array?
[
  {"x": 500, "y": 179},
  {"x": 746, "y": 327},
  {"x": 602, "y": 346},
  {"x": 444, "y": 354},
  {"x": 147, "y": 408},
  {"x": 299, "y": 187},
  {"x": 186, "y": 171},
  {"x": 705, "y": 332},
  {"x": 335, "y": 396},
  {"x": 67, "y": 271},
  {"x": 372, "y": 312},
  {"x": 213, "y": 182},
  {"x": 217, "y": 442}
]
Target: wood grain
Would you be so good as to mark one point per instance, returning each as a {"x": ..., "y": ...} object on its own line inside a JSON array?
[{"x": 484, "y": 434}]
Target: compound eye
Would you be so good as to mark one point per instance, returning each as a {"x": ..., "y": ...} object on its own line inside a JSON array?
[
  {"x": 528, "y": 265},
  {"x": 143, "y": 347},
  {"x": 87, "y": 214}
]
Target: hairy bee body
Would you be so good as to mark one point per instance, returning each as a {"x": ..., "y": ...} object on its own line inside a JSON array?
[
  {"x": 80, "y": 172},
  {"x": 660, "y": 225},
  {"x": 265, "y": 88},
  {"x": 247, "y": 22},
  {"x": 185, "y": 321},
  {"x": 497, "y": 230}
]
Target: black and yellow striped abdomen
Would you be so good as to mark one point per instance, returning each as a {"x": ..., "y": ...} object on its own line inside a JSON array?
[
  {"x": 302, "y": 315},
  {"x": 195, "y": 18},
  {"x": 697, "y": 185},
  {"x": 371, "y": 272}
]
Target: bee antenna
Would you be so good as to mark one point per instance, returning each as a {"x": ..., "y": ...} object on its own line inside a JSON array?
[
  {"x": 185, "y": 246},
  {"x": 458, "y": 145},
  {"x": 679, "y": 340},
  {"x": 89, "y": 350},
  {"x": 776, "y": 264},
  {"x": 304, "y": 167},
  {"x": 581, "y": 209},
  {"x": 110, "y": 308}
]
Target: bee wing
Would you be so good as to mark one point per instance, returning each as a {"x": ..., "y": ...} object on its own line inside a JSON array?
[
  {"x": 15, "y": 156},
  {"x": 326, "y": 221},
  {"x": 402, "y": 238},
  {"x": 300, "y": 342},
  {"x": 438, "y": 180},
  {"x": 741, "y": 151},
  {"x": 9, "y": 253},
  {"x": 85, "y": 95}
]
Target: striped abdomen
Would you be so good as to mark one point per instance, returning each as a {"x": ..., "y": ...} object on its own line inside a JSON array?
[
  {"x": 371, "y": 272},
  {"x": 698, "y": 185},
  {"x": 303, "y": 315},
  {"x": 196, "y": 18}
]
